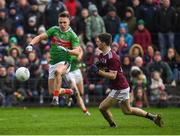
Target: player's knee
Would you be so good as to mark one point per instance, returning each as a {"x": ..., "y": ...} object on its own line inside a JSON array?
[
  {"x": 102, "y": 107},
  {"x": 58, "y": 73},
  {"x": 127, "y": 112}
]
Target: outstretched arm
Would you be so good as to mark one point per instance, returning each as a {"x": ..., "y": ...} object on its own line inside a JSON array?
[{"x": 38, "y": 38}]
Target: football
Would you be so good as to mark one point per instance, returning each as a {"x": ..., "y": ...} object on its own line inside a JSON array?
[{"x": 22, "y": 74}]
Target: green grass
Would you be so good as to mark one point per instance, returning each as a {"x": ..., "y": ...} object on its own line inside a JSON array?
[{"x": 62, "y": 121}]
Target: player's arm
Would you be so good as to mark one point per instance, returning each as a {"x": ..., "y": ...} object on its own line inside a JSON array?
[
  {"x": 38, "y": 38},
  {"x": 111, "y": 74},
  {"x": 76, "y": 51},
  {"x": 80, "y": 54}
]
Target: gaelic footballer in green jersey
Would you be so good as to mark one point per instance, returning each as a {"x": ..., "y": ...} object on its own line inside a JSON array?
[
  {"x": 63, "y": 43},
  {"x": 68, "y": 40}
]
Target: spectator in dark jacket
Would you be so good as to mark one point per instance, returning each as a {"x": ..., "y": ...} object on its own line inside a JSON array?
[
  {"x": 111, "y": 21},
  {"x": 147, "y": 13},
  {"x": 15, "y": 16},
  {"x": 51, "y": 12},
  {"x": 130, "y": 19},
  {"x": 4, "y": 20},
  {"x": 170, "y": 58},
  {"x": 165, "y": 22},
  {"x": 136, "y": 7},
  {"x": 177, "y": 28},
  {"x": 162, "y": 67}
]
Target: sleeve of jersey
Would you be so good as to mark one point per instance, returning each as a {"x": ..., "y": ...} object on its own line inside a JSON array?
[
  {"x": 75, "y": 41},
  {"x": 50, "y": 31}
]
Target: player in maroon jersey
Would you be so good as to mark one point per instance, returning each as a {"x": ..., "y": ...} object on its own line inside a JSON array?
[{"x": 109, "y": 66}]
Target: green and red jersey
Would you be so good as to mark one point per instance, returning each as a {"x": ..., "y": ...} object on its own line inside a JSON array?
[{"x": 66, "y": 39}]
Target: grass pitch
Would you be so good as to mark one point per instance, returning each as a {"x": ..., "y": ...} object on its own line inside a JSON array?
[{"x": 71, "y": 121}]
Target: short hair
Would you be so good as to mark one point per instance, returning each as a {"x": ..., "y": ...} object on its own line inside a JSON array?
[
  {"x": 105, "y": 37},
  {"x": 64, "y": 14}
]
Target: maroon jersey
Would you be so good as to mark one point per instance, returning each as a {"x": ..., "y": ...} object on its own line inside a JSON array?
[{"x": 111, "y": 61}]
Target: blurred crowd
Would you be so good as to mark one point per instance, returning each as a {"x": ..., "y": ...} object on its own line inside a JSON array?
[{"x": 146, "y": 35}]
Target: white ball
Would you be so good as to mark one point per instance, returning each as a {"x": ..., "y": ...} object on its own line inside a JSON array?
[{"x": 22, "y": 74}]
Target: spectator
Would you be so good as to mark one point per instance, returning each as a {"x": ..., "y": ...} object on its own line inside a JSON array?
[
  {"x": 15, "y": 16},
  {"x": 5, "y": 21},
  {"x": 43, "y": 80},
  {"x": 177, "y": 28},
  {"x": 126, "y": 66},
  {"x": 162, "y": 67},
  {"x": 3, "y": 87},
  {"x": 135, "y": 4},
  {"x": 140, "y": 64},
  {"x": 124, "y": 39},
  {"x": 142, "y": 36},
  {"x": 79, "y": 25},
  {"x": 135, "y": 51},
  {"x": 147, "y": 13},
  {"x": 53, "y": 8},
  {"x": 3, "y": 4},
  {"x": 149, "y": 56},
  {"x": 139, "y": 87},
  {"x": 20, "y": 35},
  {"x": 95, "y": 24},
  {"x": 42, "y": 4},
  {"x": 89, "y": 55},
  {"x": 2, "y": 61},
  {"x": 33, "y": 18},
  {"x": 170, "y": 58},
  {"x": 23, "y": 7},
  {"x": 109, "y": 3},
  {"x": 13, "y": 42},
  {"x": 22, "y": 61},
  {"x": 165, "y": 22},
  {"x": 130, "y": 19},
  {"x": 73, "y": 7},
  {"x": 157, "y": 89},
  {"x": 111, "y": 21},
  {"x": 7, "y": 85},
  {"x": 5, "y": 43}
]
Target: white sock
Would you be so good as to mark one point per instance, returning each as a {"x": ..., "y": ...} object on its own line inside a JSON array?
[{"x": 56, "y": 98}]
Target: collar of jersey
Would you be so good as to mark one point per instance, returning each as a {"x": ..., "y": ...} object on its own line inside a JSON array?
[
  {"x": 66, "y": 30},
  {"x": 107, "y": 52}
]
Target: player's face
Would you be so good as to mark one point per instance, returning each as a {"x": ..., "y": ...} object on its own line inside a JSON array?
[
  {"x": 99, "y": 44},
  {"x": 64, "y": 23}
]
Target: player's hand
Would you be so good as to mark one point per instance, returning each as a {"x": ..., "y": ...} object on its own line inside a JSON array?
[
  {"x": 29, "y": 48},
  {"x": 99, "y": 64},
  {"x": 94, "y": 69}
]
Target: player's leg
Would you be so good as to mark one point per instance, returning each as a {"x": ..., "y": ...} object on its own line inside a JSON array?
[
  {"x": 128, "y": 110},
  {"x": 80, "y": 88},
  {"x": 55, "y": 100},
  {"x": 104, "y": 106},
  {"x": 74, "y": 86},
  {"x": 59, "y": 69},
  {"x": 50, "y": 86}
]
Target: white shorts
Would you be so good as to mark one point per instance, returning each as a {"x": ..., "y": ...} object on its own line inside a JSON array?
[
  {"x": 52, "y": 69},
  {"x": 75, "y": 75},
  {"x": 120, "y": 95}
]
